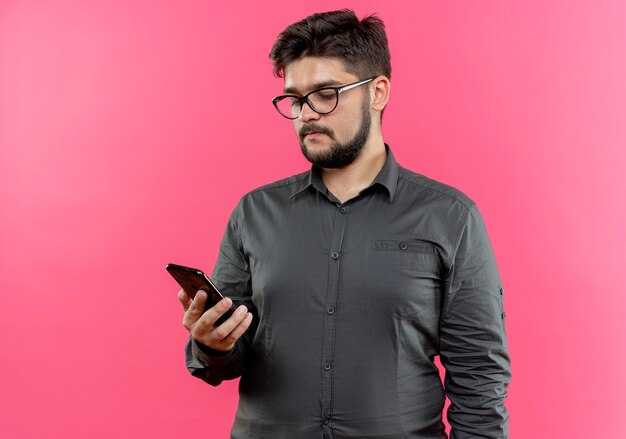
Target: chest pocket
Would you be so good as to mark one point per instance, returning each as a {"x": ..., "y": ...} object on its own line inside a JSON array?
[
  {"x": 413, "y": 273},
  {"x": 418, "y": 257}
]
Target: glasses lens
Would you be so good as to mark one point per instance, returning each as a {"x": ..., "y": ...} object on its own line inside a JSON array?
[
  {"x": 288, "y": 107},
  {"x": 324, "y": 101}
]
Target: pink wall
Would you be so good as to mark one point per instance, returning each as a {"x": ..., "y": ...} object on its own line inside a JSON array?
[{"x": 129, "y": 129}]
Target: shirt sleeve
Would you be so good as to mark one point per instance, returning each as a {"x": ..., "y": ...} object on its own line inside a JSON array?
[
  {"x": 473, "y": 347},
  {"x": 232, "y": 277}
]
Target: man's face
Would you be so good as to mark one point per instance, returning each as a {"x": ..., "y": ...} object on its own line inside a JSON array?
[{"x": 336, "y": 139}]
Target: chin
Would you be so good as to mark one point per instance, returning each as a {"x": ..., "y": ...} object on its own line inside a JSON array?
[{"x": 314, "y": 145}]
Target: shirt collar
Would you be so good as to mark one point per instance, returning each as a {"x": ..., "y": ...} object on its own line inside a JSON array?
[{"x": 387, "y": 178}]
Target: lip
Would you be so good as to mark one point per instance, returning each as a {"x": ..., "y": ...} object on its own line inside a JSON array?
[{"x": 312, "y": 135}]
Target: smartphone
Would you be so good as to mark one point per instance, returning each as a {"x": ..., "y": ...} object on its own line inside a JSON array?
[{"x": 192, "y": 280}]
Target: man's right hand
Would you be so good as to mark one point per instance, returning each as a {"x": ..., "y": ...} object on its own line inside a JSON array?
[{"x": 200, "y": 323}]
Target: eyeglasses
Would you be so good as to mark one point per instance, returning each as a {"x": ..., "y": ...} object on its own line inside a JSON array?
[{"x": 322, "y": 101}]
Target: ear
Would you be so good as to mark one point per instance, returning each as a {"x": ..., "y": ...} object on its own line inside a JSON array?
[{"x": 381, "y": 87}]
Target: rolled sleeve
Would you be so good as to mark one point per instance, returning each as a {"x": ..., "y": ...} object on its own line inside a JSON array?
[
  {"x": 215, "y": 367},
  {"x": 473, "y": 345}
]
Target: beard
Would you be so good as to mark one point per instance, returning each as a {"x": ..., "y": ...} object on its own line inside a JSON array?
[{"x": 338, "y": 154}]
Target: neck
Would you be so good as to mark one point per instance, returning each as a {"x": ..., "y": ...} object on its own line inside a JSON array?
[{"x": 347, "y": 182}]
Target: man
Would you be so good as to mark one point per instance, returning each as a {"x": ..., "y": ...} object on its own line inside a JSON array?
[{"x": 351, "y": 277}]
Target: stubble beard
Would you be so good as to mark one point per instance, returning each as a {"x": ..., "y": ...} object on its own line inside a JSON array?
[{"x": 338, "y": 155}]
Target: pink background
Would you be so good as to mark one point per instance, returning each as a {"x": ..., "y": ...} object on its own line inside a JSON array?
[{"x": 129, "y": 130}]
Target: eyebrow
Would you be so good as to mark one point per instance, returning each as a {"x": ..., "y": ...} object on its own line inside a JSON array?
[{"x": 317, "y": 85}]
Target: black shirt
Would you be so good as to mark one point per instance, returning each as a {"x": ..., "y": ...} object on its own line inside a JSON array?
[{"x": 351, "y": 304}]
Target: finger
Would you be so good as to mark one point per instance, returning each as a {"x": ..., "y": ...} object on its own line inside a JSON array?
[
  {"x": 195, "y": 310},
  {"x": 201, "y": 328},
  {"x": 230, "y": 340},
  {"x": 184, "y": 299},
  {"x": 206, "y": 329},
  {"x": 198, "y": 302},
  {"x": 213, "y": 314},
  {"x": 230, "y": 323}
]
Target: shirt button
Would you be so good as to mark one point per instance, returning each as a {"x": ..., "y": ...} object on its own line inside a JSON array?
[
  {"x": 331, "y": 310},
  {"x": 343, "y": 210},
  {"x": 334, "y": 255},
  {"x": 327, "y": 366},
  {"x": 326, "y": 421},
  {"x": 404, "y": 246}
]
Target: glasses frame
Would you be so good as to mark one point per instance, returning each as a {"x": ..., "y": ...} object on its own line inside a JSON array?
[{"x": 305, "y": 99}]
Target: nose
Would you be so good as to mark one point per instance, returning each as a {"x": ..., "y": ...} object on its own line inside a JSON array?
[{"x": 307, "y": 114}]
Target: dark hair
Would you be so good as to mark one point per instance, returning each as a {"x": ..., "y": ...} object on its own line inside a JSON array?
[{"x": 360, "y": 44}]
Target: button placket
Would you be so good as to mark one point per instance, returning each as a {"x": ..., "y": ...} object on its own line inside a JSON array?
[{"x": 328, "y": 342}]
